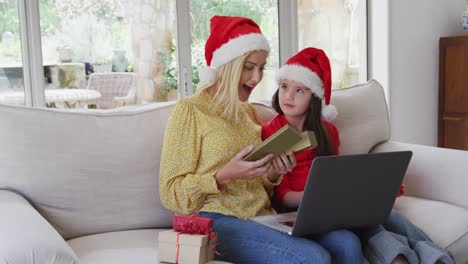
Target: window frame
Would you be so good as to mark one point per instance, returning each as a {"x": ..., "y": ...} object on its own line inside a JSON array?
[{"x": 31, "y": 48}]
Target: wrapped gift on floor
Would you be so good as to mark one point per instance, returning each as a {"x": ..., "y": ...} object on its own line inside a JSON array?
[{"x": 190, "y": 248}]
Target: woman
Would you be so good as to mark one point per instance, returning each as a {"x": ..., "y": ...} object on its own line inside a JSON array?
[{"x": 206, "y": 138}]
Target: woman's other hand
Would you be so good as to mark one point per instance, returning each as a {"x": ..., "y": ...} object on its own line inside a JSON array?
[
  {"x": 281, "y": 164},
  {"x": 238, "y": 169}
]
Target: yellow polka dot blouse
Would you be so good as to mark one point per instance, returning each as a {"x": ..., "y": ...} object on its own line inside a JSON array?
[{"x": 197, "y": 143}]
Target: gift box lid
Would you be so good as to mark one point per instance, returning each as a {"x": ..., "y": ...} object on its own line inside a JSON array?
[{"x": 170, "y": 236}]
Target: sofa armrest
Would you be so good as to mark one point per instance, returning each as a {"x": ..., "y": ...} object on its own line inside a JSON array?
[
  {"x": 434, "y": 173},
  {"x": 26, "y": 237}
]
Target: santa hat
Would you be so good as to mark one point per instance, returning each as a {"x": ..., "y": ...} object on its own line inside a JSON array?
[
  {"x": 230, "y": 37},
  {"x": 311, "y": 67}
]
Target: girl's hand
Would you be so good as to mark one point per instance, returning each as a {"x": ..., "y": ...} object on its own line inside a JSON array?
[
  {"x": 237, "y": 169},
  {"x": 282, "y": 164},
  {"x": 293, "y": 199}
]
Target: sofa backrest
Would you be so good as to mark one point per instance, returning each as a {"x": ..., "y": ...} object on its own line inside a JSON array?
[
  {"x": 362, "y": 120},
  {"x": 97, "y": 171},
  {"x": 86, "y": 172}
]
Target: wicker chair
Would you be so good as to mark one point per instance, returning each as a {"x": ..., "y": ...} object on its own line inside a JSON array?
[{"x": 116, "y": 88}]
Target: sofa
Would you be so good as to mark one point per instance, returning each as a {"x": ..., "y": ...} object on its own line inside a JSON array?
[{"x": 82, "y": 186}]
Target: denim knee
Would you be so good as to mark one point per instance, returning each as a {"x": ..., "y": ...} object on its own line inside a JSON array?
[
  {"x": 343, "y": 245},
  {"x": 346, "y": 240}
]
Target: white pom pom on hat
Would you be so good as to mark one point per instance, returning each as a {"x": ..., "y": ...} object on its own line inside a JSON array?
[
  {"x": 329, "y": 112},
  {"x": 230, "y": 37},
  {"x": 311, "y": 67}
]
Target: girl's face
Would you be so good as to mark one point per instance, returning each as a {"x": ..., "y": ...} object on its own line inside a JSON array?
[
  {"x": 294, "y": 98},
  {"x": 252, "y": 73}
]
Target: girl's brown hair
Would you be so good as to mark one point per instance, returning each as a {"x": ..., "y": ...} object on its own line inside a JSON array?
[{"x": 313, "y": 122}]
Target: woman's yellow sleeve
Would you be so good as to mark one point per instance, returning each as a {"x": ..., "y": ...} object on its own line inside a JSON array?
[
  {"x": 181, "y": 189},
  {"x": 269, "y": 186},
  {"x": 254, "y": 115}
]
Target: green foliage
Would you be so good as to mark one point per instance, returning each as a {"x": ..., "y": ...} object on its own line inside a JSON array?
[
  {"x": 168, "y": 62},
  {"x": 9, "y": 18},
  {"x": 49, "y": 17},
  {"x": 202, "y": 11},
  {"x": 198, "y": 62},
  {"x": 263, "y": 12}
]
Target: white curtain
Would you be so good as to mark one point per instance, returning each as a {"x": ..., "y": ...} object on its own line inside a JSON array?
[
  {"x": 151, "y": 24},
  {"x": 332, "y": 25}
]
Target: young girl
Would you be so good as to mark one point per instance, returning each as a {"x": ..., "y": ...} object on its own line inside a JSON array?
[{"x": 304, "y": 82}]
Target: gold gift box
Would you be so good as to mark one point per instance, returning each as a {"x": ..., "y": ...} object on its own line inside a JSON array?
[{"x": 192, "y": 248}]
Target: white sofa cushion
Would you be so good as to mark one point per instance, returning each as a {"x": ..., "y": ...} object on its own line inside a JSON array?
[
  {"x": 133, "y": 246},
  {"x": 26, "y": 237},
  {"x": 88, "y": 172},
  {"x": 445, "y": 224},
  {"x": 427, "y": 172},
  {"x": 362, "y": 117},
  {"x": 123, "y": 247}
]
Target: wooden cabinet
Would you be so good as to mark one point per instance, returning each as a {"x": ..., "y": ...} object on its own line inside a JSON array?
[{"x": 453, "y": 93}]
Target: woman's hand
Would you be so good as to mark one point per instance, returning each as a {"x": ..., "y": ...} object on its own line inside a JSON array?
[
  {"x": 237, "y": 169},
  {"x": 280, "y": 165}
]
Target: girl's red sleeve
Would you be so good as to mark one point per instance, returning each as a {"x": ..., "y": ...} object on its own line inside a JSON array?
[{"x": 268, "y": 129}]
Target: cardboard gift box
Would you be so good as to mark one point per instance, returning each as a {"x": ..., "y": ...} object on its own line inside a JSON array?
[{"x": 192, "y": 248}]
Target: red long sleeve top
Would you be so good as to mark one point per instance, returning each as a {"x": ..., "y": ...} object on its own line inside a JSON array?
[{"x": 296, "y": 179}]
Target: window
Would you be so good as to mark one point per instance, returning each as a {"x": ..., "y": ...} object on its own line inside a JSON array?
[
  {"x": 11, "y": 60},
  {"x": 263, "y": 12},
  {"x": 95, "y": 36},
  {"x": 339, "y": 28},
  {"x": 161, "y": 42}
]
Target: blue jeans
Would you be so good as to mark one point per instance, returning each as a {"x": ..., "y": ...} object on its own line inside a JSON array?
[
  {"x": 398, "y": 236},
  {"x": 399, "y": 224},
  {"x": 248, "y": 242}
]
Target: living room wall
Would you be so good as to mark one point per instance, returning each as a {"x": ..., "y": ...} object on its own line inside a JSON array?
[{"x": 414, "y": 31}]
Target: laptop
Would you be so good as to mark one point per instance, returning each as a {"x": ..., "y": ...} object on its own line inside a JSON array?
[{"x": 342, "y": 192}]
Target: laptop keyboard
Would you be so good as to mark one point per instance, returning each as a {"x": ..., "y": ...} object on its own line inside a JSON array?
[{"x": 288, "y": 223}]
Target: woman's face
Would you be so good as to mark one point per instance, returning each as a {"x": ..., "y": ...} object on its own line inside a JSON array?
[
  {"x": 252, "y": 73},
  {"x": 294, "y": 98}
]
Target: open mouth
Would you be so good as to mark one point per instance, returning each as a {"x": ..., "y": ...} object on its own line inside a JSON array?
[{"x": 247, "y": 88}]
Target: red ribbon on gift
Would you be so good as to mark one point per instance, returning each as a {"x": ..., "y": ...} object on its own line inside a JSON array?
[{"x": 194, "y": 225}]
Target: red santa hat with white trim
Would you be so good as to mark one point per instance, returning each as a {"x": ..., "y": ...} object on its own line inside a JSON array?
[
  {"x": 230, "y": 37},
  {"x": 311, "y": 67}
]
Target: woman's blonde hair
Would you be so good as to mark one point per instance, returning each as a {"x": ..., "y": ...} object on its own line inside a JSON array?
[{"x": 224, "y": 89}]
